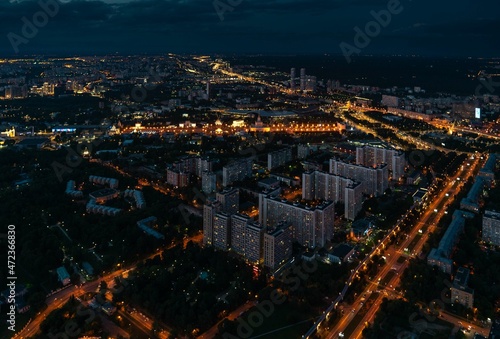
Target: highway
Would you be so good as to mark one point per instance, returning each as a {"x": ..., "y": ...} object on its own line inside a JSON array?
[{"x": 430, "y": 219}]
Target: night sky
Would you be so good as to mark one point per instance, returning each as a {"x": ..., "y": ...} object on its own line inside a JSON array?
[{"x": 424, "y": 27}]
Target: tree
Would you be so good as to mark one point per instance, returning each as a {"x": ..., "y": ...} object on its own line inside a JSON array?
[{"x": 103, "y": 286}]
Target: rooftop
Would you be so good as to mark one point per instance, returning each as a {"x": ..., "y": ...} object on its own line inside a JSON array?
[
  {"x": 341, "y": 250},
  {"x": 103, "y": 193},
  {"x": 462, "y": 277}
]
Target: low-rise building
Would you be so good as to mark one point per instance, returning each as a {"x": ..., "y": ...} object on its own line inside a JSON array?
[
  {"x": 341, "y": 253},
  {"x": 460, "y": 292},
  {"x": 63, "y": 275},
  {"x": 441, "y": 256}
]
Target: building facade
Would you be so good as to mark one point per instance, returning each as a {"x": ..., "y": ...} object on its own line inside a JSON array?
[
  {"x": 279, "y": 158},
  {"x": 236, "y": 171},
  {"x": 208, "y": 182},
  {"x": 375, "y": 179},
  {"x": 491, "y": 227},
  {"x": 460, "y": 292},
  {"x": 311, "y": 226},
  {"x": 229, "y": 199},
  {"x": 325, "y": 186},
  {"x": 277, "y": 246}
]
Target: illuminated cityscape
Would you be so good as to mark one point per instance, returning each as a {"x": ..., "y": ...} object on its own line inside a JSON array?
[{"x": 218, "y": 170}]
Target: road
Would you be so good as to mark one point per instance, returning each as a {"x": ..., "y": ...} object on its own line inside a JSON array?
[
  {"x": 232, "y": 316},
  {"x": 428, "y": 218},
  {"x": 58, "y": 299},
  {"x": 460, "y": 322},
  {"x": 228, "y": 129}
]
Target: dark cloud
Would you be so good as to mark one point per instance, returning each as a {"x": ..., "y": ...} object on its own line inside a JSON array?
[{"x": 273, "y": 26}]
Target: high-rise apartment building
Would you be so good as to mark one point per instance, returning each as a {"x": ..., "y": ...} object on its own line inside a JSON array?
[
  {"x": 372, "y": 156},
  {"x": 253, "y": 242},
  {"x": 325, "y": 186},
  {"x": 246, "y": 238},
  {"x": 209, "y": 212},
  {"x": 177, "y": 178},
  {"x": 277, "y": 245},
  {"x": 236, "y": 171},
  {"x": 279, "y": 158},
  {"x": 292, "y": 79},
  {"x": 208, "y": 182},
  {"x": 229, "y": 199},
  {"x": 222, "y": 231},
  {"x": 239, "y": 224},
  {"x": 375, "y": 179},
  {"x": 491, "y": 227},
  {"x": 311, "y": 226}
]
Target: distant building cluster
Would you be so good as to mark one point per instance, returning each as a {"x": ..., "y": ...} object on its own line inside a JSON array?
[
  {"x": 390, "y": 100},
  {"x": 307, "y": 83},
  {"x": 72, "y": 191},
  {"x": 16, "y": 92},
  {"x": 140, "y": 202},
  {"x": 111, "y": 182},
  {"x": 441, "y": 256}
]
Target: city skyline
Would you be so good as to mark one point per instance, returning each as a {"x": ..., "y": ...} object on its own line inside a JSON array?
[{"x": 217, "y": 169}]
